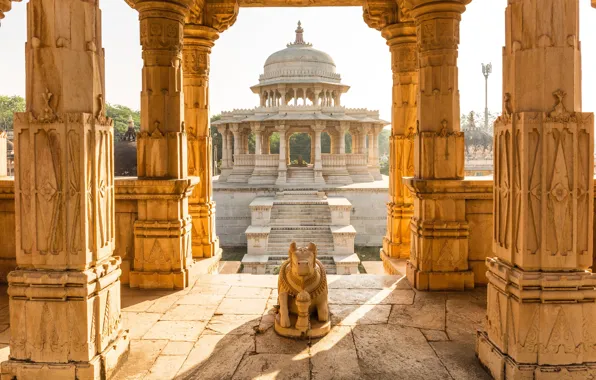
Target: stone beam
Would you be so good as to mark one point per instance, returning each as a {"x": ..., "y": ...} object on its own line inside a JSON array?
[
  {"x": 64, "y": 298},
  {"x": 541, "y": 294}
]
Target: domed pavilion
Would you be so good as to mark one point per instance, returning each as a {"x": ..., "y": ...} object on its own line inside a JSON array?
[{"x": 300, "y": 92}]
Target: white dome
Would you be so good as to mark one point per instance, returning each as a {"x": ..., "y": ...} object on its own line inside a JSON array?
[{"x": 299, "y": 62}]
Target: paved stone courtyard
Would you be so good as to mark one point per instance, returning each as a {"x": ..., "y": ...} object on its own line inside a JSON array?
[{"x": 221, "y": 328}]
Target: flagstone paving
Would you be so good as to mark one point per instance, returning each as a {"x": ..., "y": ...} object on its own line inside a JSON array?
[{"x": 222, "y": 328}]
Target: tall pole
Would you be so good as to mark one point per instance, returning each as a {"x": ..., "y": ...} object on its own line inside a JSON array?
[{"x": 486, "y": 71}]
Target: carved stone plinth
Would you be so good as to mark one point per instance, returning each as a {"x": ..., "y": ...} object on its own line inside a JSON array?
[
  {"x": 66, "y": 324},
  {"x": 303, "y": 294},
  {"x": 539, "y": 325},
  {"x": 439, "y": 236},
  {"x": 163, "y": 254}
]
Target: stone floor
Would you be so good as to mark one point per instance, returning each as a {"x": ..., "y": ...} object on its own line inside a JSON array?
[{"x": 221, "y": 328}]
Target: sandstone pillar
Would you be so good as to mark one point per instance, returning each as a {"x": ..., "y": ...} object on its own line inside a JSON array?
[
  {"x": 223, "y": 131},
  {"x": 541, "y": 297},
  {"x": 439, "y": 230},
  {"x": 363, "y": 133},
  {"x": 198, "y": 41},
  {"x": 401, "y": 39},
  {"x": 318, "y": 128},
  {"x": 163, "y": 254},
  {"x": 282, "y": 168},
  {"x": 342, "y": 128},
  {"x": 373, "y": 153},
  {"x": 257, "y": 129},
  {"x": 235, "y": 128},
  {"x": 65, "y": 319}
]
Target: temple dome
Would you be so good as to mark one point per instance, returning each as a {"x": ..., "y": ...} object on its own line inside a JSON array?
[{"x": 300, "y": 62}]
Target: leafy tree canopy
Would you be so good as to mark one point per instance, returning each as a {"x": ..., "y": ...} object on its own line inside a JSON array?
[
  {"x": 120, "y": 115},
  {"x": 8, "y": 106}
]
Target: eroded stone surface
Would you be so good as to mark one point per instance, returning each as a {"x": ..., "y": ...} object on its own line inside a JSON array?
[
  {"x": 334, "y": 356},
  {"x": 348, "y": 315},
  {"x": 427, "y": 312},
  {"x": 273, "y": 367},
  {"x": 409, "y": 356}
]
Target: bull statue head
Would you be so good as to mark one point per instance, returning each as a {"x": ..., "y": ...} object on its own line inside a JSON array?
[{"x": 303, "y": 259}]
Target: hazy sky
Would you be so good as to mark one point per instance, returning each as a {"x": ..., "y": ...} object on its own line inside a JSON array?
[{"x": 360, "y": 53}]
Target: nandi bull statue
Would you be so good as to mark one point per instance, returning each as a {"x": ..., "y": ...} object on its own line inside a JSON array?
[{"x": 302, "y": 289}]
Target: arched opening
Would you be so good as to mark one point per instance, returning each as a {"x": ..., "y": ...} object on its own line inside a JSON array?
[{"x": 300, "y": 148}]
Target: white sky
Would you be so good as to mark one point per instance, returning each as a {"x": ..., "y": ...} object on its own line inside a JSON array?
[{"x": 360, "y": 53}]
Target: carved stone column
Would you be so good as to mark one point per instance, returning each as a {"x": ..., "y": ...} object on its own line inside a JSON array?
[
  {"x": 439, "y": 230},
  {"x": 541, "y": 316},
  {"x": 198, "y": 41},
  {"x": 163, "y": 255},
  {"x": 257, "y": 129},
  {"x": 363, "y": 133},
  {"x": 236, "y": 132},
  {"x": 373, "y": 153},
  {"x": 223, "y": 131},
  {"x": 342, "y": 128},
  {"x": 282, "y": 168},
  {"x": 399, "y": 29},
  {"x": 64, "y": 298},
  {"x": 318, "y": 128}
]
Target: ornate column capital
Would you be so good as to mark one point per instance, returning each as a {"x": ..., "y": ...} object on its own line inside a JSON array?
[
  {"x": 319, "y": 126},
  {"x": 5, "y": 6},
  {"x": 257, "y": 127},
  {"x": 216, "y": 14},
  {"x": 282, "y": 128},
  {"x": 235, "y": 128},
  {"x": 343, "y": 127},
  {"x": 222, "y": 128}
]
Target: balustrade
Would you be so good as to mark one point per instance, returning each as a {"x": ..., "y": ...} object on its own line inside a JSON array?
[
  {"x": 266, "y": 160},
  {"x": 244, "y": 160},
  {"x": 356, "y": 159},
  {"x": 333, "y": 160}
]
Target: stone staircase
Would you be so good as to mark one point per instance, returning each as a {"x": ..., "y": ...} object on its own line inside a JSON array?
[
  {"x": 299, "y": 176},
  {"x": 274, "y": 263},
  {"x": 303, "y": 216},
  {"x": 281, "y": 237}
]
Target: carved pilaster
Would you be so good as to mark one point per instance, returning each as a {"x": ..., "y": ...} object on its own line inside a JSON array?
[
  {"x": 65, "y": 296},
  {"x": 439, "y": 230},
  {"x": 198, "y": 41},
  {"x": 541, "y": 296},
  {"x": 163, "y": 255},
  {"x": 400, "y": 32}
]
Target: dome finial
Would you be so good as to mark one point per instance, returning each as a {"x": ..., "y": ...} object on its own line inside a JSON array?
[
  {"x": 299, "y": 34},
  {"x": 299, "y": 37}
]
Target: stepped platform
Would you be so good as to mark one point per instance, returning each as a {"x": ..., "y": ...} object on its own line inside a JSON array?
[{"x": 302, "y": 216}]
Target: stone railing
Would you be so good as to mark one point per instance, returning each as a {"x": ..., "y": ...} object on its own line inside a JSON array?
[
  {"x": 266, "y": 160},
  {"x": 356, "y": 159},
  {"x": 333, "y": 160},
  {"x": 244, "y": 160}
]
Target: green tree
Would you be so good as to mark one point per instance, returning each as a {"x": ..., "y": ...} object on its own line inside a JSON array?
[
  {"x": 8, "y": 106},
  {"x": 120, "y": 115}
]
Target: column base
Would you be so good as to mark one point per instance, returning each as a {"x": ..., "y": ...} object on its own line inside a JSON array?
[
  {"x": 281, "y": 178},
  {"x": 396, "y": 250},
  {"x": 503, "y": 367},
  {"x": 102, "y": 366},
  {"x": 160, "y": 280},
  {"x": 422, "y": 280},
  {"x": 392, "y": 266}
]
